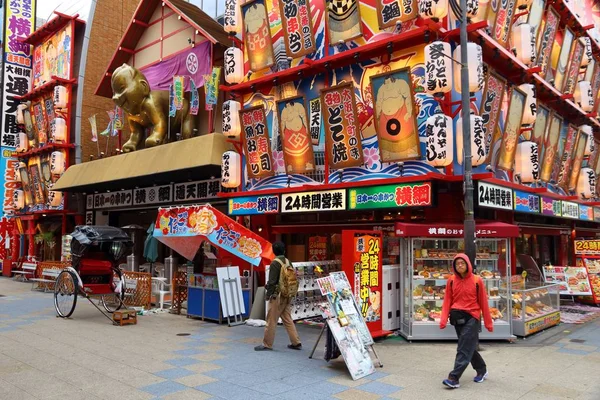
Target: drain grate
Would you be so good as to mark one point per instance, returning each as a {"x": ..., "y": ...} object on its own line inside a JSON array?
[{"x": 577, "y": 341}]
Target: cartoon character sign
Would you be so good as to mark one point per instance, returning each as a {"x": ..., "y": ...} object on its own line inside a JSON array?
[
  {"x": 395, "y": 119},
  {"x": 295, "y": 139},
  {"x": 259, "y": 44}
]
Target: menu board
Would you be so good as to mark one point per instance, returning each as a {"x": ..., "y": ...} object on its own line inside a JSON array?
[
  {"x": 573, "y": 281},
  {"x": 593, "y": 268}
]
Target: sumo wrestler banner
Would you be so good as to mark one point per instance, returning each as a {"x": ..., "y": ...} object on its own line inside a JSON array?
[
  {"x": 563, "y": 59},
  {"x": 297, "y": 23},
  {"x": 545, "y": 40},
  {"x": 343, "y": 20},
  {"x": 395, "y": 116},
  {"x": 295, "y": 138},
  {"x": 491, "y": 104},
  {"x": 504, "y": 22},
  {"x": 562, "y": 176},
  {"x": 391, "y": 12},
  {"x": 342, "y": 129},
  {"x": 573, "y": 70},
  {"x": 257, "y": 35},
  {"x": 550, "y": 147},
  {"x": 542, "y": 122},
  {"x": 512, "y": 129},
  {"x": 578, "y": 155},
  {"x": 257, "y": 145}
]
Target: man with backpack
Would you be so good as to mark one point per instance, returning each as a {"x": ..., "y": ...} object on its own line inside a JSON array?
[
  {"x": 281, "y": 287},
  {"x": 465, "y": 302}
]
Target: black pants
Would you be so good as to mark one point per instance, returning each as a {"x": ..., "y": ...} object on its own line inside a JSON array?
[{"x": 468, "y": 338}]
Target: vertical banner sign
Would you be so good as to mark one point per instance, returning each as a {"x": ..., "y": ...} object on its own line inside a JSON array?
[
  {"x": 563, "y": 60},
  {"x": 578, "y": 155},
  {"x": 391, "y": 12},
  {"x": 94, "y": 128},
  {"x": 10, "y": 172},
  {"x": 536, "y": 13},
  {"x": 504, "y": 22},
  {"x": 48, "y": 102},
  {"x": 595, "y": 81},
  {"x": 194, "y": 98},
  {"x": 396, "y": 116},
  {"x": 546, "y": 39},
  {"x": 542, "y": 122},
  {"x": 562, "y": 179},
  {"x": 256, "y": 142},
  {"x": 257, "y": 35},
  {"x": 38, "y": 188},
  {"x": 342, "y": 131},
  {"x": 39, "y": 122},
  {"x": 172, "y": 110},
  {"x": 295, "y": 138},
  {"x": 550, "y": 147},
  {"x": 119, "y": 119},
  {"x": 315, "y": 120},
  {"x": 512, "y": 129},
  {"x": 211, "y": 88},
  {"x": 492, "y": 12},
  {"x": 491, "y": 103},
  {"x": 178, "y": 86},
  {"x": 343, "y": 20},
  {"x": 573, "y": 70},
  {"x": 297, "y": 23}
]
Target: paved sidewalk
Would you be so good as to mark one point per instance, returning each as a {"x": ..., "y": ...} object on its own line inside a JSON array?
[{"x": 85, "y": 357}]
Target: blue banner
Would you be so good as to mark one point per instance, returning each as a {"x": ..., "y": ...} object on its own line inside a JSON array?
[
  {"x": 526, "y": 202},
  {"x": 254, "y": 205}
]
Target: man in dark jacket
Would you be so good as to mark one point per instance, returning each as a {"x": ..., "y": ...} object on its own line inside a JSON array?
[{"x": 278, "y": 306}]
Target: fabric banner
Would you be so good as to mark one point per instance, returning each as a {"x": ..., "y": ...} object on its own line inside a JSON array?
[
  {"x": 172, "y": 110},
  {"x": 256, "y": 141},
  {"x": 178, "y": 88},
  {"x": 295, "y": 138},
  {"x": 185, "y": 228},
  {"x": 211, "y": 88},
  {"x": 194, "y": 98},
  {"x": 109, "y": 128},
  {"x": 194, "y": 63},
  {"x": 119, "y": 118},
  {"x": 94, "y": 126}
]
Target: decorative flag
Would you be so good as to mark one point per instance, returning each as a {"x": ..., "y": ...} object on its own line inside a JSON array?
[
  {"x": 92, "y": 120},
  {"x": 178, "y": 86},
  {"x": 171, "y": 102},
  {"x": 194, "y": 99},
  {"x": 119, "y": 118},
  {"x": 109, "y": 128},
  {"x": 211, "y": 88}
]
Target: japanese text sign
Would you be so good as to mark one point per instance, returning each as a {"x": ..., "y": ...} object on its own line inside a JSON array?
[
  {"x": 570, "y": 210},
  {"x": 390, "y": 196},
  {"x": 197, "y": 190},
  {"x": 493, "y": 196},
  {"x": 178, "y": 88},
  {"x": 573, "y": 70},
  {"x": 526, "y": 202},
  {"x": 551, "y": 207},
  {"x": 587, "y": 247},
  {"x": 391, "y": 12},
  {"x": 547, "y": 39},
  {"x": 211, "y": 88},
  {"x": 504, "y": 21},
  {"x": 254, "y": 205},
  {"x": 257, "y": 145},
  {"x": 317, "y": 248},
  {"x": 297, "y": 23},
  {"x": 153, "y": 195},
  {"x": 491, "y": 103},
  {"x": 123, "y": 198},
  {"x": 330, "y": 200}
]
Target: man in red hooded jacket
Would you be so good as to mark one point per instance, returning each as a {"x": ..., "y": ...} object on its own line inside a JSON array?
[{"x": 465, "y": 301}]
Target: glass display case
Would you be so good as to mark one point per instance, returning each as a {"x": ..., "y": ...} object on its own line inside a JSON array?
[
  {"x": 426, "y": 266},
  {"x": 535, "y": 308}
]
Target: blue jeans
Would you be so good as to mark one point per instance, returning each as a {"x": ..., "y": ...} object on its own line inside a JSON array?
[{"x": 468, "y": 338}]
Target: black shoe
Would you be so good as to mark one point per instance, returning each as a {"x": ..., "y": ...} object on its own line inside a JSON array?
[
  {"x": 262, "y": 348},
  {"x": 295, "y": 346}
]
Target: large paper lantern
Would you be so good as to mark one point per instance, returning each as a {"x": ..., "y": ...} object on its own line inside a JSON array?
[
  {"x": 60, "y": 97},
  {"x": 523, "y": 43},
  {"x": 439, "y": 140},
  {"x": 584, "y": 95},
  {"x": 19, "y": 199},
  {"x": 22, "y": 142},
  {"x": 234, "y": 65},
  {"x": 475, "y": 66},
  {"x": 232, "y": 17},
  {"x": 433, "y": 9},
  {"x": 530, "y": 109},
  {"x": 231, "y": 174},
  {"x": 57, "y": 162},
  {"x": 59, "y": 133},
  {"x": 438, "y": 68},
  {"x": 231, "y": 119},
  {"x": 588, "y": 54},
  {"x": 55, "y": 198},
  {"x": 586, "y": 183},
  {"x": 589, "y": 147},
  {"x": 478, "y": 150},
  {"x": 527, "y": 162}
]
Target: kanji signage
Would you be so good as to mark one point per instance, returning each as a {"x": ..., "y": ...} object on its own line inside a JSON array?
[
  {"x": 504, "y": 21},
  {"x": 490, "y": 107},
  {"x": 526, "y": 202},
  {"x": 570, "y": 209},
  {"x": 257, "y": 145},
  {"x": 317, "y": 248},
  {"x": 390, "y": 196},
  {"x": 573, "y": 69},
  {"x": 315, "y": 120},
  {"x": 153, "y": 195},
  {"x": 391, "y": 12},
  {"x": 493, "y": 196},
  {"x": 254, "y": 205},
  {"x": 297, "y": 23},
  {"x": 586, "y": 213},
  {"x": 330, "y": 200},
  {"x": 123, "y": 198},
  {"x": 551, "y": 207},
  {"x": 546, "y": 39},
  {"x": 197, "y": 190},
  {"x": 89, "y": 202},
  {"x": 488, "y": 229},
  {"x": 587, "y": 247},
  {"x": 342, "y": 130},
  {"x": 89, "y": 217},
  {"x": 9, "y": 167}
]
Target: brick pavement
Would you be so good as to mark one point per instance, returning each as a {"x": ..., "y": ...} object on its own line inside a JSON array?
[{"x": 85, "y": 357}]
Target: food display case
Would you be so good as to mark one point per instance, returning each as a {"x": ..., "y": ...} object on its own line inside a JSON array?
[
  {"x": 426, "y": 261},
  {"x": 535, "y": 308}
]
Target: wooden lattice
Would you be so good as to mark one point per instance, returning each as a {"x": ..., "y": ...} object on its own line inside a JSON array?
[
  {"x": 138, "y": 294},
  {"x": 180, "y": 292},
  {"x": 50, "y": 265}
]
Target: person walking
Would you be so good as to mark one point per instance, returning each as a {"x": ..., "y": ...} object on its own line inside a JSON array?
[
  {"x": 281, "y": 288},
  {"x": 465, "y": 302}
]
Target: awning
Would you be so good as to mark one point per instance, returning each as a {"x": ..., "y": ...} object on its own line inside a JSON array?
[
  {"x": 185, "y": 228},
  {"x": 444, "y": 230},
  {"x": 191, "y": 159}
]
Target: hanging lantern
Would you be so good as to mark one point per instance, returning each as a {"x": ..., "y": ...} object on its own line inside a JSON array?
[
  {"x": 22, "y": 142},
  {"x": 231, "y": 175},
  {"x": 586, "y": 183},
  {"x": 17, "y": 176},
  {"x": 589, "y": 147},
  {"x": 60, "y": 97},
  {"x": 527, "y": 162},
  {"x": 475, "y": 65},
  {"x": 432, "y": 9},
  {"x": 234, "y": 65},
  {"x": 19, "y": 199},
  {"x": 530, "y": 109},
  {"x": 20, "y": 110},
  {"x": 231, "y": 119},
  {"x": 57, "y": 162},
  {"x": 439, "y": 140},
  {"x": 55, "y": 198},
  {"x": 588, "y": 54},
  {"x": 438, "y": 68},
  {"x": 523, "y": 43},
  {"x": 59, "y": 133},
  {"x": 584, "y": 96},
  {"x": 232, "y": 17},
  {"x": 478, "y": 151},
  {"x": 523, "y": 4}
]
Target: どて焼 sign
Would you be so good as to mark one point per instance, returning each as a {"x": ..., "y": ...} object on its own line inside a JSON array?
[
  {"x": 493, "y": 196},
  {"x": 330, "y": 200},
  {"x": 256, "y": 142}
]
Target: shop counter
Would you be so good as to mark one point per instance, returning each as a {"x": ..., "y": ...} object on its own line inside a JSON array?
[
  {"x": 205, "y": 303},
  {"x": 535, "y": 308}
]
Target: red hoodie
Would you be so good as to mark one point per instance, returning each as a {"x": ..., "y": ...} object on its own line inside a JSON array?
[{"x": 462, "y": 295}]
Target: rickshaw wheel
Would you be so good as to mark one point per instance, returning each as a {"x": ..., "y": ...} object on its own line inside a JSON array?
[
  {"x": 114, "y": 301},
  {"x": 65, "y": 294}
]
